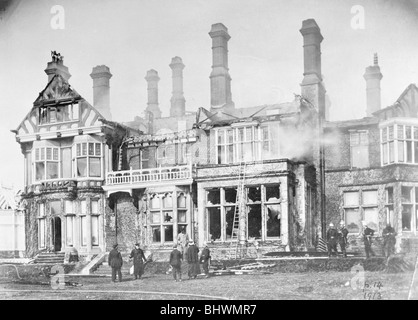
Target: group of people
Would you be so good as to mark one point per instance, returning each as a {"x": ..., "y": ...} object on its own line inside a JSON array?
[
  {"x": 115, "y": 261},
  {"x": 340, "y": 236},
  {"x": 184, "y": 249}
]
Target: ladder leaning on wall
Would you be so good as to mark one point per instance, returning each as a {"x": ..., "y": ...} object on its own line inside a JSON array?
[{"x": 239, "y": 207}]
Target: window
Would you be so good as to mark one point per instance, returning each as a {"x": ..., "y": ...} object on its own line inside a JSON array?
[
  {"x": 163, "y": 214},
  {"x": 57, "y": 114},
  {"x": 69, "y": 218},
  {"x": 83, "y": 222},
  {"x": 250, "y": 143},
  {"x": 144, "y": 153},
  {"x": 390, "y": 217},
  {"x": 46, "y": 163},
  {"x": 359, "y": 149},
  {"x": 41, "y": 224},
  {"x": 359, "y": 206},
  {"x": 407, "y": 207},
  {"x": 88, "y": 159},
  {"x": 184, "y": 155},
  {"x": 262, "y": 211},
  {"x": 94, "y": 222},
  {"x": 399, "y": 144}
]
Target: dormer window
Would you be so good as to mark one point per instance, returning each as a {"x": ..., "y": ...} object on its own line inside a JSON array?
[{"x": 57, "y": 114}]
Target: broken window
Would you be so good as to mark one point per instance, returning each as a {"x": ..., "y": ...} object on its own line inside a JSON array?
[
  {"x": 168, "y": 233},
  {"x": 254, "y": 194},
  {"x": 273, "y": 193},
  {"x": 229, "y": 219},
  {"x": 352, "y": 220},
  {"x": 273, "y": 220},
  {"x": 254, "y": 221},
  {"x": 214, "y": 223},
  {"x": 230, "y": 196},
  {"x": 214, "y": 197}
]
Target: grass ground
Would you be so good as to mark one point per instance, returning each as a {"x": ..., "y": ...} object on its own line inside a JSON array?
[{"x": 278, "y": 286}]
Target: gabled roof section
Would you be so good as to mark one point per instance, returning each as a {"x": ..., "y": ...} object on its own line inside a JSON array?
[
  {"x": 58, "y": 89},
  {"x": 405, "y": 106}
]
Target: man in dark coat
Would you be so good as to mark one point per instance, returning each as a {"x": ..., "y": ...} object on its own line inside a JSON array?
[
  {"x": 175, "y": 261},
  {"x": 115, "y": 262},
  {"x": 193, "y": 260},
  {"x": 332, "y": 238},
  {"x": 367, "y": 237},
  {"x": 389, "y": 240},
  {"x": 205, "y": 259},
  {"x": 342, "y": 238},
  {"x": 138, "y": 258}
]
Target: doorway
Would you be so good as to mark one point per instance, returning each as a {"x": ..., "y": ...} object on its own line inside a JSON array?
[{"x": 56, "y": 233}]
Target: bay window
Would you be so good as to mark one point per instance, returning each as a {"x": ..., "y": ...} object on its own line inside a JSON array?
[
  {"x": 47, "y": 163},
  {"x": 88, "y": 159},
  {"x": 399, "y": 144}
]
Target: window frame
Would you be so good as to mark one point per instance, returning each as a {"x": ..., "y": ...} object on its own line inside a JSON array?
[{"x": 80, "y": 154}]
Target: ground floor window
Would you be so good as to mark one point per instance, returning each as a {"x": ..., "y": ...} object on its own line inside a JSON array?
[
  {"x": 262, "y": 212},
  {"x": 409, "y": 199},
  {"x": 168, "y": 216},
  {"x": 360, "y": 205}
]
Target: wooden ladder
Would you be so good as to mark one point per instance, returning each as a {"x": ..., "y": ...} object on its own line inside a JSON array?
[{"x": 239, "y": 207}]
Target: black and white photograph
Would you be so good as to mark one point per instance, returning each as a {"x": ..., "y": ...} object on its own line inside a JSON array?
[{"x": 208, "y": 155}]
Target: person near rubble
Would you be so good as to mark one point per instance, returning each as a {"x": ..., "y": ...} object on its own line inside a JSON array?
[
  {"x": 332, "y": 238},
  {"x": 205, "y": 259},
  {"x": 176, "y": 258},
  {"x": 367, "y": 238},
  {"x": 389, "y": 240},
  {"x": 342, "y": 238},
  {"x": 115, "y": 262},
  {"x": 138, "y": 260},
  {"x": 193, "y": 260}
]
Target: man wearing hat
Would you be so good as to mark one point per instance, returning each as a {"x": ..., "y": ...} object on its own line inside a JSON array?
[
  {"x": 205, "y": 259},
  {"x": 175, "y": 261},
  {"x": 332, "y": 237},
  {"x": 342, "y": 237},
  {"x": 138, "y": 256},
  {"x": 115, "y": 262},
  {"x": 193, "y": 260},
  {"x": 367, "y": 237}
]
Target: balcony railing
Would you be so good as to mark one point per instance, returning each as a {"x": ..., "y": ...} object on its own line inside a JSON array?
[{"x": 149, "y": 175}]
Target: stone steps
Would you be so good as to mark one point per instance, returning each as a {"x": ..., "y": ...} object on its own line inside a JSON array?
[{"x": 50, "y": 258}]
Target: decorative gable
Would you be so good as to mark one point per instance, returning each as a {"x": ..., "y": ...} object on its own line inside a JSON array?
[{"x": 57, "y": 89}]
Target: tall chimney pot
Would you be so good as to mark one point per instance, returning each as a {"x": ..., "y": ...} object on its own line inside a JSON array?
[
  {"x": 373, "y": 77},
  {"x": 178, "y": 103},
  {"x": 220, "y": 80},
  {"x": 101, "y": 90},
  {"x": 152, "y": 79}
]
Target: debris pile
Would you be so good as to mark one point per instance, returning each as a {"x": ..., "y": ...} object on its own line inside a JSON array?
[{"x": 249, "y": 268}]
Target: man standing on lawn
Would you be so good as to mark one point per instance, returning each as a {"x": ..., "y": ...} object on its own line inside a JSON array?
[
  {"x": 193, "y": 260},
  {"x": 205, "y": 259},
  {"x": 175, "y": 261},
  {"x": 138, "y": 258},
  {"x": 115, "y": 262}
]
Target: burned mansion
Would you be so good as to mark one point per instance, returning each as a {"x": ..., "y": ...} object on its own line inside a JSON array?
[{"x": 271, "y": 176}]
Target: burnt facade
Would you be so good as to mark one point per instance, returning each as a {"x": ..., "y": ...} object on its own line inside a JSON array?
[{"x": 91, "y": 182}]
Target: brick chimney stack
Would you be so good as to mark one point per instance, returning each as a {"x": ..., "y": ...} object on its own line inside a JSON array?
[
  {"x": 373, "y": 77},
  {"x": 56, "y": 66},
  {"x": 101, "y": 90},
  {"x": 152, "y": 79},
  {"x": 178, "y": 103},
  {"x": 220, "y": 80},
  {"x": 312, "y": 87}
]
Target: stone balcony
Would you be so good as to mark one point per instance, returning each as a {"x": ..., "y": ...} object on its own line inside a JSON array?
[{"x": 135, "y": 179}]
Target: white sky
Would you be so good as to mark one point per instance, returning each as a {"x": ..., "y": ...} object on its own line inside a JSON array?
[{"x": 265, "y": 53}]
